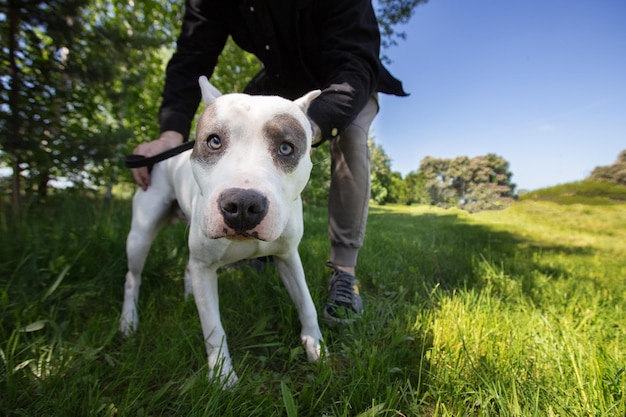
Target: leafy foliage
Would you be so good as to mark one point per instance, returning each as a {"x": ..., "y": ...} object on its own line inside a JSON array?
[
  {"x": 234, "y": 69},
  {"x": 318, "y": 188},
  {"x": 381, "y": 175},
  {"x": 475, "y": 184},
  {"x": 615, "y": 173},
  {"x": 417, "y": 191},
  {"x": 82, "y": 80},
  {"x": 34, "y": 82},
  {"x": 392, "y": 13}
]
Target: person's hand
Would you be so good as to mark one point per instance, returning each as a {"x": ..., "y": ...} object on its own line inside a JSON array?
[{"x": 167, "y": 140}]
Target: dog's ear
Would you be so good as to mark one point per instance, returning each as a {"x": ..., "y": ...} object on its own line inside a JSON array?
[
  {"x": 304, "y": 101},
  {"x": 209, "y": 93}
]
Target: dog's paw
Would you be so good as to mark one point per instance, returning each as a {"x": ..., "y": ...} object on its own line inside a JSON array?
[
  {"x": 128, "y": 324},
  {"x": 227, "y": 380},
  {"x": 313, "y": 348}
]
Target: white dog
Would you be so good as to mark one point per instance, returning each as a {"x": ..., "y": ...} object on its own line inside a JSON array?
[{"x": 239, "y": 188}]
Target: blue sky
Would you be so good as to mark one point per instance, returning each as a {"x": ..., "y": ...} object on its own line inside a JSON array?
[{"x": 541, "y": 83}]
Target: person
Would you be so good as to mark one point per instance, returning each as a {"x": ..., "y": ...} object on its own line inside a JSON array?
[{"x": 332, "y": 45}]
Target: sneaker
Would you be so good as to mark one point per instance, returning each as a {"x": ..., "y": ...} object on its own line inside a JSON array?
[{"x": 344, "y": 303}]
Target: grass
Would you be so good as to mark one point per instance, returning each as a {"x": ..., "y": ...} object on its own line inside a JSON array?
[
  {"x": 588, "y": 192},
  {"x": 519, "y": 312}
]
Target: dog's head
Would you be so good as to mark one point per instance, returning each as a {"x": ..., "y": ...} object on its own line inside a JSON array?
[{"x": 251, "y": 161}]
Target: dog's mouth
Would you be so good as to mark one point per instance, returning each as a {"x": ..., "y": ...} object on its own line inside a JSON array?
[{"x": 239, "y": 235}]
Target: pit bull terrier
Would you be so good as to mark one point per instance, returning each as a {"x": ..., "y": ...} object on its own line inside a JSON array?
[{"x": 239, "y": 189}]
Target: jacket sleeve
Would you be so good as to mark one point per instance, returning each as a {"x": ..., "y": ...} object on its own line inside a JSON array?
[
  {"x": 350, "y": 47},
  {"x": 199, "y": 44}
]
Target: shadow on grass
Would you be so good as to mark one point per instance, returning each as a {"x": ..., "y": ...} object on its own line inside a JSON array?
[
  {"x": 407, "y": 257},
  {"x": 424, "y": 250}
]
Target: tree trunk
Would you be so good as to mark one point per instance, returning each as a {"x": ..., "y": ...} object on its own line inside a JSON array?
[
  {"x": 42, "y": 183},
  {"x": 14, "y": 123},
  {"x": 16, "y": 188}
]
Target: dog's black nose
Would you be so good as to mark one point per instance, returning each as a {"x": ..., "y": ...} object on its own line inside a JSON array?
[{"x": 242, "y": 209}]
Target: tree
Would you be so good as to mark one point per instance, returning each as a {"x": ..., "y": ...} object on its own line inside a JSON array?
[
  {"x": 380, "y": 174},
  {"x": 391, "y": 14},
  {"x": 317, "y": 190},
  {"x": 439, "y": 180},
  {"x": 135, "y": 39},
  {"x": 417, "y": 190},
  {"x": 398, "y": 190},
  {"x": 234, "y": 69},
  {"x": 34, "y": 49},
  {"x": 615, "y": 173},
  {"x": 76, "y": 86},
  {"x": 479, "y": 183}
]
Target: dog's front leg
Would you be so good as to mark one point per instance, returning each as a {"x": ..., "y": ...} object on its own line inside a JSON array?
[
  {"x": 204, "y": 281},
  {"x": 292, "y": 276}
]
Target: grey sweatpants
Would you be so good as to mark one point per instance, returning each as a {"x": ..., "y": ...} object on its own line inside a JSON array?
[{"x": 350, "y": 187}]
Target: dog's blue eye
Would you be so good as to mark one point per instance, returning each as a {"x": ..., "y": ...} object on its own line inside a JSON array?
[
  {"x": 214, "y": 142},
  {"x": 285, "y": 149}
]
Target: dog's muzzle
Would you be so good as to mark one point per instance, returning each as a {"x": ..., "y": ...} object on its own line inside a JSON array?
[{"x": 242, "y": 210}]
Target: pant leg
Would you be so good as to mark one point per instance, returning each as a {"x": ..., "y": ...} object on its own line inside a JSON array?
[{"x": 350, "y": 187}]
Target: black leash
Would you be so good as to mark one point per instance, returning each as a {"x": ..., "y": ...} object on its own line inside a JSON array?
[{"x": 137, "y": 161}]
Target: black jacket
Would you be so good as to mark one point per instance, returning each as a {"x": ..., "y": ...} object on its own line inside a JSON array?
[{"x": 304, "y": 45}]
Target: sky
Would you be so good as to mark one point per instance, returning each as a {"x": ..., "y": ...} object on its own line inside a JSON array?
[{"x": 541, "y": 83}]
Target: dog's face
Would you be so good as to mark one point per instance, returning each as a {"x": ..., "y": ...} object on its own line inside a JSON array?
[{"x": 251, "y": 161}]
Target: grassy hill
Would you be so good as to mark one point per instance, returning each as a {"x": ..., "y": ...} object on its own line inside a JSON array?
[
  {"x": 518, "y": 312},
  {"x": 583, "y": 192}
]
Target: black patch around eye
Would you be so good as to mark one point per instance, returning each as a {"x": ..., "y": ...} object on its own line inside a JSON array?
[
  {"x": 213, "y": 138},
  {"x": 286, "y": 139}
]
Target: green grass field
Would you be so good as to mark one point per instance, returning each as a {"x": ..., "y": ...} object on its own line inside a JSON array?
[{"x": 519, "y": 312}]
